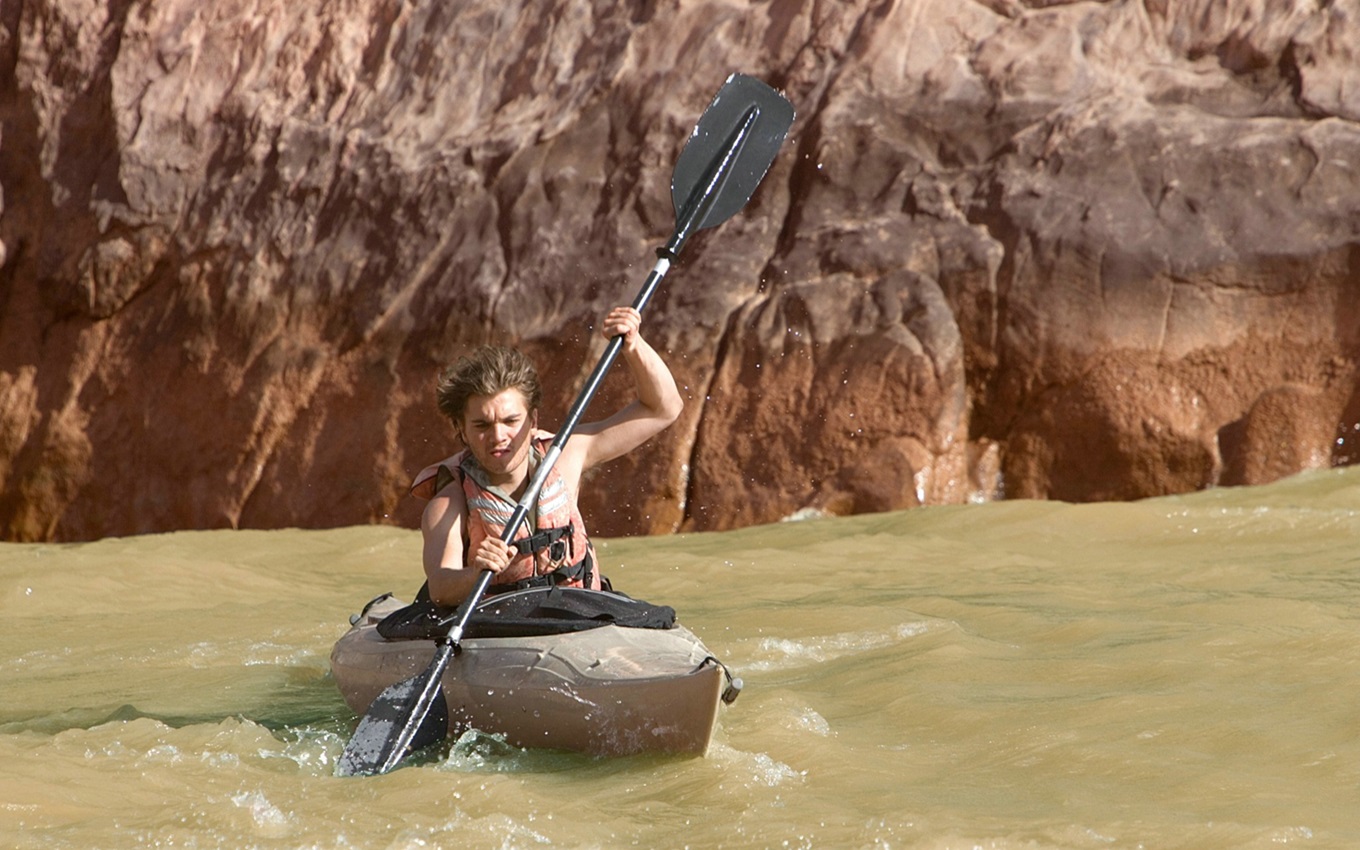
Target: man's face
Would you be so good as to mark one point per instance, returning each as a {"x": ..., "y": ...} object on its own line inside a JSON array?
[{"x": 497, "y": 430}]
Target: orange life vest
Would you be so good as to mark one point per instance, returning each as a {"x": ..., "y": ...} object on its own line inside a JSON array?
[{"x": 558, "y": 551}]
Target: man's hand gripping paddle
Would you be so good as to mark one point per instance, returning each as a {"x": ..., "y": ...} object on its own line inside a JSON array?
[{"x": 724, "y": 160}]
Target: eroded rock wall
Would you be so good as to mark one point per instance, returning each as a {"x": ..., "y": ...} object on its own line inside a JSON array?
[{"x": 1080, "y": 250}]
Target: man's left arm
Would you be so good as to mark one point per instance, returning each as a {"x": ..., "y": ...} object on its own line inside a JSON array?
[{"x": 658, "y": 401}]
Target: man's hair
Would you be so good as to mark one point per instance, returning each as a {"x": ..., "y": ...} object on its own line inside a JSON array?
[{"x": 488, "y": 371}]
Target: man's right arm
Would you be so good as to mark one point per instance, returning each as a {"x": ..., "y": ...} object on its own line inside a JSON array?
[{"x": 441, "y": 528}]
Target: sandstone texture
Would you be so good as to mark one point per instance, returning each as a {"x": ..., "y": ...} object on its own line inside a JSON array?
[{"x": 1024, "y": 249}]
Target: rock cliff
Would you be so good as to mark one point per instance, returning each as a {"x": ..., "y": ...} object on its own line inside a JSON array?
[{"x": 1041, "y": 249}]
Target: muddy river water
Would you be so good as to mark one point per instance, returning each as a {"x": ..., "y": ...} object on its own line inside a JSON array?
[{"x": 1173, "y": 673}]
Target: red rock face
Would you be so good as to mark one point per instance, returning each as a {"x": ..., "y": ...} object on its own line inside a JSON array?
[{"x": 1043, "y": 249}]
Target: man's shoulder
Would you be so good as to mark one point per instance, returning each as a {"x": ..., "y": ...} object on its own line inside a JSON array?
[{"x": 430, "y": 480}]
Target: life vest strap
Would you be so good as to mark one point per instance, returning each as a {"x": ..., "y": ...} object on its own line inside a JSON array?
[
  {"x": 545, "y": 539},
  {"x": 562, "y": 575}
]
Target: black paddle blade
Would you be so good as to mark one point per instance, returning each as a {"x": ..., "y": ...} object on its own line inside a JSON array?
[
  {"x": 410, "y": 715},
  {"x": 710, "y": 165}
]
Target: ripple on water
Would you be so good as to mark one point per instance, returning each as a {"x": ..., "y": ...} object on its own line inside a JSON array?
[
  {"x": 772, "y": 654},
  {"x": 753, "y": 769},
  {"x": 269, "y": 819},
  {"x": 481, "y": 752}
]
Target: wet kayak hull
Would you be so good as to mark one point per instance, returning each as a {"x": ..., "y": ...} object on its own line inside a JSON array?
[{"x": 606, "y": 691}]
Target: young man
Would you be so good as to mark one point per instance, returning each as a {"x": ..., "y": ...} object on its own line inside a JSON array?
[{"x": 492, "y": 399}]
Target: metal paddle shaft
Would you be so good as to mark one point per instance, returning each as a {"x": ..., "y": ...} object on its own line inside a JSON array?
[{"x": 724, "y": 160}]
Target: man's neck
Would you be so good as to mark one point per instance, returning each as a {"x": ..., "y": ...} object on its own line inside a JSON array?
[{"x": 513, "y": 482}]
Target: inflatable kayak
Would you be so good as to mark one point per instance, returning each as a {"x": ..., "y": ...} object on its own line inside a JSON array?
[{"x": 545, "y": 668}]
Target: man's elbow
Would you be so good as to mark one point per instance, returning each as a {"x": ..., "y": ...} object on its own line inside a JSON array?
[
  {"x": 671, "y": 410},
  {"x": 444, "y": 592}
]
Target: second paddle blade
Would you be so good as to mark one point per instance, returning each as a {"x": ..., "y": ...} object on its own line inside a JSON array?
[{"x": 408, "y": 716}]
